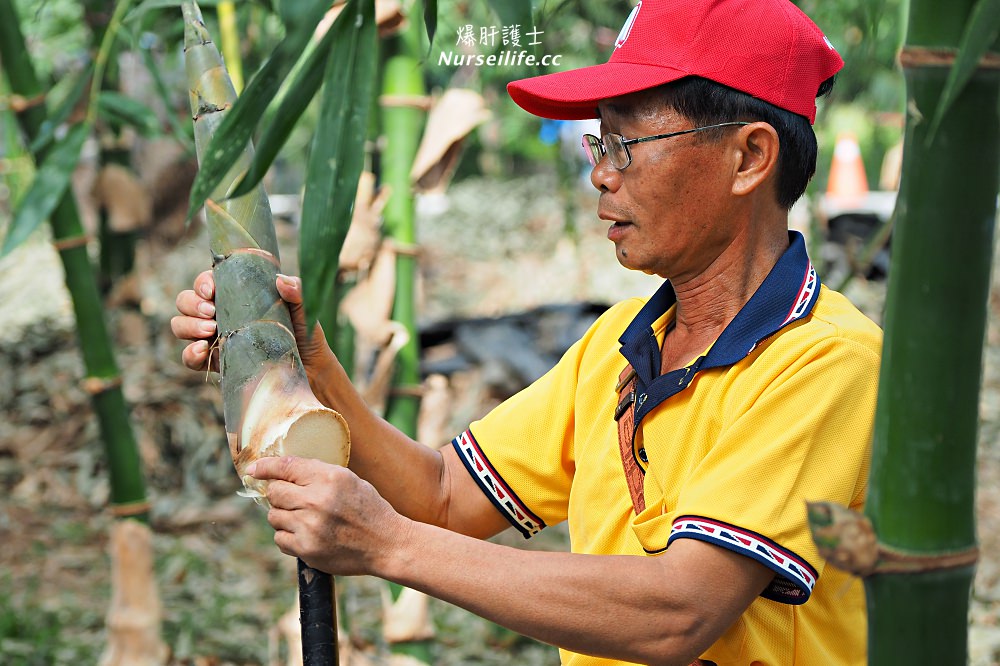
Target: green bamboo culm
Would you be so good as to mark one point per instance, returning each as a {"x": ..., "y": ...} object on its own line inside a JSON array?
[
  {"x": 117, "y": 247},
  {"x": 921, "y": 497},
  {"x": 103, "y": 382},
  {"x": 229, "y": 35},
  {"x": 268, "y": 407},
  {"x": 403, "y": 120}
]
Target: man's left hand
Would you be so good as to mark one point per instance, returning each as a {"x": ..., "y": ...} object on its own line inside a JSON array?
[{"x": 329, "y": 517}]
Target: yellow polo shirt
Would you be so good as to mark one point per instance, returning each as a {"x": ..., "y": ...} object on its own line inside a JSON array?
[{"x": 732, "y": 459}]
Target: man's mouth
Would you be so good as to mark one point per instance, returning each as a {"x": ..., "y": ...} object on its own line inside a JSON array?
[{"x": 617, "y": 220}]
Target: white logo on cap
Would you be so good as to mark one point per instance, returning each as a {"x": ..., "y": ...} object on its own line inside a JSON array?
[{"x": 627, "y": 28}]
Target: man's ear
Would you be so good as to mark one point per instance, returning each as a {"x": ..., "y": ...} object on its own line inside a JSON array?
[{"x": 758, "y": 146}]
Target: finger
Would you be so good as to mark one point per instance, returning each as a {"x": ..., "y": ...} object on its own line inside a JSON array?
[
  {"x": 192, "y": 328},
  {"x": 285, "y": 495},
  {"x": 204, "y": 285},
  {"x": 281, "y": 520},
  {"x": 192, "y": 304},
  {"x": 285, "y": 541},
  {"x": 195, "y": 355},
  {"x": 289, "y": 288},
  {"x": 300, "y": 471}
]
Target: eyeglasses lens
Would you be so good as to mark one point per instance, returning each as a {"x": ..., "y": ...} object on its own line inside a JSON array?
[
  {"x": 592, "y": 147},
  {"x": 616, "y": 150}
]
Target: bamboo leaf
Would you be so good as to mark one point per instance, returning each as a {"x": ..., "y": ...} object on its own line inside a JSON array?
[
  {"x": 61, "y": 113},
  {"x": 981, "y": 32},
  {"x": 308, "y": 77},
  {"x": 182, "y": 133},
  {"x": 431, "y": 19},
  {"x": 138, "y": 12},
  {"x": 51, "y": 182},
  {"x": 337, "y": 155},
  {"x": 296, "y": 13},
  {"x": 236, "y": 130},
  {"x": 515, "y": 12},
  {"x": 125, "y": 110},
  {"x": 519, "y": 13}
]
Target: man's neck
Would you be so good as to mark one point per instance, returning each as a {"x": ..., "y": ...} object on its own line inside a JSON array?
[{"x": 707, "y": 303}]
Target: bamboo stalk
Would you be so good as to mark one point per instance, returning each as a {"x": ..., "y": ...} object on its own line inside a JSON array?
[
  {"x": 103, "y": 376},
  {"x": 229, "y": 36},
  {"x": 117, "y": 246},
  {"x": 269, "y": 408},
  {"x": 921, "y": 499},
  {"x": 403, "y": 123},
  {"x": 103, "y": 381}
]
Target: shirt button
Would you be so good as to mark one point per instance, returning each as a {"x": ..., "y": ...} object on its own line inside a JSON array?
[{"x": 642, "y": 455}]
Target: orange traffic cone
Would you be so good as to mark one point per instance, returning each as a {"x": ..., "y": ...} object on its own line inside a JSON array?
[{"x": 847, "y": 172}]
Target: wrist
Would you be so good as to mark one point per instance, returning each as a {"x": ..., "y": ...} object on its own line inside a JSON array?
[{"x": 395, "y": 560}]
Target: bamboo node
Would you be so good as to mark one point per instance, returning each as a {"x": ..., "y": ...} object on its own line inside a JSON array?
[
  {"x": 257, "y": 252},
  {"x": 97, "y": 385},
  {"x": 19, "y": 103},
  {"x": 127, "y": 509},
  {"x": 70, "y": 243},
  {"x": 405, "y": 249},
  {"x": 893, "y": 561},
  {"x": 919, "y": 56},
  {"x": 847, "y": 540},
  {"x": 422, "y": 102},
  {"x": 409, "y": 391}
]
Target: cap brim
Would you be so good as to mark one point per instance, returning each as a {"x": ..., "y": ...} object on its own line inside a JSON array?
[{"x": 574, "y": 94}]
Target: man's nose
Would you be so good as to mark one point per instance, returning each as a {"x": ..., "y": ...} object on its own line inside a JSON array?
[{"x": 605, "y": 177}]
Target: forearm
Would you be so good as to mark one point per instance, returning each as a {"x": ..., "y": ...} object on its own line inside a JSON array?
[
  {"x": 559, "y": 598},
  {"x": 406, "y": 473}
]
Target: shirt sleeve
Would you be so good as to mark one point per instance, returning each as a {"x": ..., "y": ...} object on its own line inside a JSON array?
[
  {"x": 804, "y": 436},
  {"x": 522, "y": 453}
]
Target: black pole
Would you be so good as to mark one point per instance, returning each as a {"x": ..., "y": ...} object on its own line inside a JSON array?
[{"x": 318, "y": 617}]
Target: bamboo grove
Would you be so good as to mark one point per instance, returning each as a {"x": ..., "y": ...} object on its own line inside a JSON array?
[{"x": 916, "y": 544}]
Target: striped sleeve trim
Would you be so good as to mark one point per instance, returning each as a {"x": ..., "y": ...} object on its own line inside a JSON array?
[
  {"x": 796, "y": 578},
  {"x": 493, "y": 485}
]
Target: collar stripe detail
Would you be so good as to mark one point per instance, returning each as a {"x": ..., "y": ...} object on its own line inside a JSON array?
[
  {"x": 803, "y": 301},
  {"x": 493, "y": 485},
  {"x": 795, "y": 578},
  {"x": 787, "y": 294}
]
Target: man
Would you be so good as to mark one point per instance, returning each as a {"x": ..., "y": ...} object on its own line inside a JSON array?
[{"x": 681, "y": 437}]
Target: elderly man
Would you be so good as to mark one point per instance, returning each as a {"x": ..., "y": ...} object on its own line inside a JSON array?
[{"x": 681, "y": 437}]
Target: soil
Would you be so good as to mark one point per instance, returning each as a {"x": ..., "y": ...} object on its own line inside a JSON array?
[{"x": 223, "y": 584}]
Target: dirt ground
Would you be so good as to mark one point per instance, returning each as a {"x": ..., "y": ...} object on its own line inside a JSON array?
[{"x": 222, "y": 583}]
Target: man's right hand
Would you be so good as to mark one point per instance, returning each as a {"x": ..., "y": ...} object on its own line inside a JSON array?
[{"x": 196, "y": 322}]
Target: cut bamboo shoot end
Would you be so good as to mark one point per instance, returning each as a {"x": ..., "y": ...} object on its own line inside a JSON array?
[
  {"x": 283, "y": 418},
  {"x": 320, "y": 433}
]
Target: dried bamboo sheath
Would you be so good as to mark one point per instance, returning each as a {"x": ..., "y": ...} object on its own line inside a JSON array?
[{"x": 268, "y": 405}]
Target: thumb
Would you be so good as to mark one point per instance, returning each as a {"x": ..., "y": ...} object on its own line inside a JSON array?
[
  {"x": 299, "y": 471},
  {"x": 290, "y": 290}
]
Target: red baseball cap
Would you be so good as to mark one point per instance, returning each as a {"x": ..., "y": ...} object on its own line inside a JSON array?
[{"x": 766, "y": 48}]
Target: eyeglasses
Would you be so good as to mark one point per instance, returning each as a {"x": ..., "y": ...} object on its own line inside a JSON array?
[{"x": 616, "y": 146}]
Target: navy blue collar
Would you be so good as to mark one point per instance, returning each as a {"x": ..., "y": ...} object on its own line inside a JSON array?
[{"x": 788, "y": 293}]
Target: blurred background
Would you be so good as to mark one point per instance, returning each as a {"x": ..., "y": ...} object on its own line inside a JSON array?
[{"x": 513, "y": 265}]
